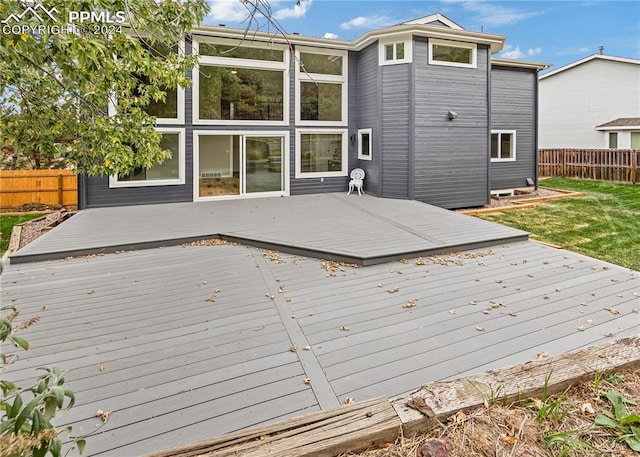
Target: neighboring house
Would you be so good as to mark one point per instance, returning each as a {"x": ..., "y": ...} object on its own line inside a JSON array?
[
  {"x": 591, "y": 103},
  {"x": 420, "y": 106}
]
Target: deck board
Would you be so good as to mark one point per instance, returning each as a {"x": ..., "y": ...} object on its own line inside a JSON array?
[{"x": 136, "y": 335}]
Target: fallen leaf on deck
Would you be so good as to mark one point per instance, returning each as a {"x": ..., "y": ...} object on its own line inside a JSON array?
[
  {"x": 344, "y": 328},
  {"x": 543, "y": 355},
  {"x": 581, "y": 328},
  {"x": 609, "y": 335},
  {"x": 104, "y": 415},
  {"x": 264, "y": 437},
  {"x": 452, "y": 311},
  {"x": 480, "y": 329},
  {"x": 210, "y": 299},
  {"x": 307, "y": 380},
  {"x": 612, "y": 310},
  {"x": 393, "y": 290},
  {"x": 348, "y": 400},
  {"x": 513, "y": 314},
  {"x": 91, "y": 292},
  {"x": 307, "y": 348},
  {"x": 101, "y": 367},
  {"x": 293, "y": 349}
]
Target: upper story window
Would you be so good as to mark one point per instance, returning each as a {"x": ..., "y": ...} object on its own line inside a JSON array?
[
  {"x": 452, "y": 53},
  {"x": 240, "y": 83},
  {"x": 503, "y": 145},
  {"x": 395, "y": 51},
  {"x": 321, "y": 93}
]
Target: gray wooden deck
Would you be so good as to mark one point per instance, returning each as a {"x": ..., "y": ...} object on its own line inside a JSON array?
[
  {"x": 195, "y": 341},
  {"x": 364, "y": 230}
]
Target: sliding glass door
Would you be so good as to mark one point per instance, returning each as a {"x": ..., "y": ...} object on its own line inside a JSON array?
[{"x": 231, "y": 165}]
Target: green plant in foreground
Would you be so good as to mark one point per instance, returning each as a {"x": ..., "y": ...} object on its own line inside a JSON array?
[
  {"x": 26, "y": 414},
  {"x": 568, "y": 443},
  {"x": 625, "y": 425}
]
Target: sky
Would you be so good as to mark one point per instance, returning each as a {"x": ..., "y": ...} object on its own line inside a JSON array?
[{"x": 555, "y": 32}]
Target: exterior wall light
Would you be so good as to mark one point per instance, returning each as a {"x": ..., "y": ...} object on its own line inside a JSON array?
[{"x": 452, "y": 115}]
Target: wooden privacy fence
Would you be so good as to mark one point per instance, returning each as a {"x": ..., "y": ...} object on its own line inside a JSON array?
[
  {"x": 618, "y": 165},
  {"x": 46, "y": 187}
]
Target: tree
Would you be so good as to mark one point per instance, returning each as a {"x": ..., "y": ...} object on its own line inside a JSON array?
[{"x": 59, "y": 73}]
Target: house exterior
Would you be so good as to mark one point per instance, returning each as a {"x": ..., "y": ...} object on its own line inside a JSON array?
[
  {"x": 592, "y": 103},
  {"x": 421, "y": 106}
]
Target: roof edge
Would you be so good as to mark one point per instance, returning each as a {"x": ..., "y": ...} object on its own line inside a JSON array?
[
  {"x": 588, "y": 59},
  {"x": 496, "y": 42},
  {"x": 520, "y": 63}
]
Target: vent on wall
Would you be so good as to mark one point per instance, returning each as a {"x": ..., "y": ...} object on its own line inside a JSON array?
[{"x": 211, "y": 174}]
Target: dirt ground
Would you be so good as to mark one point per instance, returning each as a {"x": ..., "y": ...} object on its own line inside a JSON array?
[{"x": 560, "y": 425}]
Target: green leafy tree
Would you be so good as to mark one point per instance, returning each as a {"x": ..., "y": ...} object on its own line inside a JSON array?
[{"x": 58, "y": 78}]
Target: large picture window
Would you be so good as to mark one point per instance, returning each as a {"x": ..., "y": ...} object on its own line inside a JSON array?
[
  {"x": 452, "y": 53},
  {"x": 321, "y": 153},
  {"x": 240, "y": 83},
  {"x": 169, "y": 172},
  {"x": 321, "y": 95},
  {"x": 503, "y": 145}
]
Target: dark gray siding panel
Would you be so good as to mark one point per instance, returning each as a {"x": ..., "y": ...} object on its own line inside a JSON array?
[
  {"x": 451, "y": 156},
  {"x": 367, "y": 108},
  {"x": 396, "y": 93},
  {"x": 513, "y": 101}
]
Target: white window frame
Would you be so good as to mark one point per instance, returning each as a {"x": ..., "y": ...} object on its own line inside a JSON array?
[
  {"x": 245, "y": 133},
  {"x": 362, "y": 156},
  {"x": 232, "y": 62},
  {"x": 343, "y": 79},
  {"x": 407, "y": 40},
  {"x": 299, "y": 174},
  {"x": 513, "y": 145},
  {"x": 454, "y": 44},
  {"x": 115, "y": 183}
]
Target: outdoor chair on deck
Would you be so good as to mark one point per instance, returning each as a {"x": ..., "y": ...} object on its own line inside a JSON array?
[{"x": 357, "y": 180}]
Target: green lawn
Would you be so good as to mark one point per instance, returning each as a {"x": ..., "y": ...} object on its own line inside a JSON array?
[
  {"x": 6, "y": 225},
  {"x": 604, "y": 223}
]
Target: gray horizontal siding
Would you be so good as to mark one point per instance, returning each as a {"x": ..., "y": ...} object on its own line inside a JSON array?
[
  {"x": 396, "y": 81},
  {"x": 513, "y": 104},
  {"x": 368, "y": 110},
  {"x": 451, "y": 168}
]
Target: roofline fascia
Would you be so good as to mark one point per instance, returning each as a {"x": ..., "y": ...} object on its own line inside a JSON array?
[
  {"x": 233, "y": 33},
  {"x": 619, "y": 127},
  {"x": 496, "y": 42},
  {"x": 520, "y": 63},
  {"x": 588, "y": 59}
]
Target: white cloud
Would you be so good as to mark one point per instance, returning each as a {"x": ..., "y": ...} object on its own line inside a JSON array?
[
  {"x": 331, "y": 36},
  {"x": 534, "y": 51},
  {"x": 510, "y": 53},
  {"x": 294, "y": 12},
  {"x": 228, "y": 11},
  {"x": 370, "y": 22},
  {"x": 489, "y": 14}
]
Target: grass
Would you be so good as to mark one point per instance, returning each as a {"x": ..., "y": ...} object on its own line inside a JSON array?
[
  {"x": 569, "y": 423},
  {"x": 6, "y": 226},
  {"x": 604, "y": 223}
]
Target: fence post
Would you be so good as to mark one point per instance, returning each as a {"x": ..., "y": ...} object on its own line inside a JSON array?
[
  {"x": 60, "y": 189},
  {"x": 634, "y": 166},
  {"x": 564, "y": 163}
]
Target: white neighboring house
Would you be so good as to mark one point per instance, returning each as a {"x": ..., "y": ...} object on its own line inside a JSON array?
[{"x": 591, "y": 103}]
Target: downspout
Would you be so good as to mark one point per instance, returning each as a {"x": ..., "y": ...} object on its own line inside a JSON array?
[
  {"x": 535, "y": 129},
  {"x": 411, "y": 193},
  {"x": 379, "y": 134},
  {"x": 488, "y": 143},
  {"x": 82, "y": 191}
]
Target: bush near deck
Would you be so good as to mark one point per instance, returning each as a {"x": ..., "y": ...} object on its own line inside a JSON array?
[{"x": 604, "y": 223}]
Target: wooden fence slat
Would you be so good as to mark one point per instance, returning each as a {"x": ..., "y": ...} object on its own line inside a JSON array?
[
  {"x": 616, "y": 165},
  {"x": 47, "y": 187}
]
